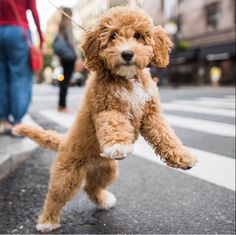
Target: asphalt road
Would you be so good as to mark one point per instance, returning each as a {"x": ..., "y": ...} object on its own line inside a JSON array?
[{"x": 151, "y": 198}]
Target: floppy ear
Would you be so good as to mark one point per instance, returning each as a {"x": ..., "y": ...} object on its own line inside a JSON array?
[
  {"x": 90, "y": 45},
  {"x": 161, "y": 48}
]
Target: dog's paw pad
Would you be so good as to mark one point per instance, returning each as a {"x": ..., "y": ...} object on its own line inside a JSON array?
[
  {"x": 108, "y": 201},
  {"x": 117, "y": 151},
  {"x": 189, "y": 165},
  {"x": 46, "y": 227}
]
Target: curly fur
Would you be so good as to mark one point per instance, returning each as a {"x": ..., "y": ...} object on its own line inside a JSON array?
[{"x": 121, "y": 101}]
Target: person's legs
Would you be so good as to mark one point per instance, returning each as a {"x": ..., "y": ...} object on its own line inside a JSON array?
[
  {"x": 62, "y": 93},
  {"x": 68, "y": 68},
  {"x": 4, "y": 83},
  {"x": 5, "y": 127},
  {"x": 20, "y": 73}
]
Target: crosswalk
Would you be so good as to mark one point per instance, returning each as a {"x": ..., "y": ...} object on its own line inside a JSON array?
[
  {"x": 189, "y": 107},
  {"x": 211, "y": 127},
  {"x": 213, "y": 167}
]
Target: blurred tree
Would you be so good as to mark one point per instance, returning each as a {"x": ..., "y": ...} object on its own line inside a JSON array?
[
  {"x": 183, "y": 45},
  {"x": 47, "y": 60}
]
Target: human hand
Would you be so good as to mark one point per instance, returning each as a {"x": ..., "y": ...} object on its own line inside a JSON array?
[{"x": 42, "y": 43}]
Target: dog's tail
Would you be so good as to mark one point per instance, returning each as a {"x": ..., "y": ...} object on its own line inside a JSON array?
[{"x": 46, "y": 138}]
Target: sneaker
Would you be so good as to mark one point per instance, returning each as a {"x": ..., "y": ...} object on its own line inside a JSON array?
[
  {"x": 14, "y": 134},
  {"x": 5, "y": 128}
]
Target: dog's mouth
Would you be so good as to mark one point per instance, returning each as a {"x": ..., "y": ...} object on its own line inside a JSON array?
[
  {"x": 127, "y": 70},
  {"x": 127, "y": 64}
]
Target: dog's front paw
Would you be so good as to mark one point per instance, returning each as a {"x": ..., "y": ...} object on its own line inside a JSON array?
[
  {"x": 108, "y": 201},
  {"x": 182, "y": 159},
  {"x": 117, "y": 151},
  {"x": 46, "y": 227}
]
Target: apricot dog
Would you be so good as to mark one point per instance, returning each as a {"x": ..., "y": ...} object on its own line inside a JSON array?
[{"x": 121, "y": 101}]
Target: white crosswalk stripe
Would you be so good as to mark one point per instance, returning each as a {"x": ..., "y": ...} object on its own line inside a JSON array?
[
  {"x": 207, "y": 103},
  {"x": 173, "y": 106},
  {"x": 211, "y": 127},
  {"x": 230, "y": 97},
  {"x": 47, "y": 98},
  {"x": 225, "y": 100},
  {"x": 62, "y": 119},
  {"x": 212, "y": 167}
]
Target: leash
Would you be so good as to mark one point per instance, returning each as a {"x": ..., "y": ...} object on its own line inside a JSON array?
[{"x": 65, "y": 14}]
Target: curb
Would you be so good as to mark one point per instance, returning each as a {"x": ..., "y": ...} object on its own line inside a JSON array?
[{"x": 19, "y": 153}]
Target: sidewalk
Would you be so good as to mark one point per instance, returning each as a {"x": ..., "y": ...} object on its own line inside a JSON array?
[{"x": 14, "y": 150}]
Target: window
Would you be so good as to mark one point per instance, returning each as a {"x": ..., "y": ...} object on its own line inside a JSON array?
[{"x": 212, "y": 16}]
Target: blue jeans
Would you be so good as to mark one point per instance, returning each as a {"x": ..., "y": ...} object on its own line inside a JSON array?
[{"x": 15, "y": 74}]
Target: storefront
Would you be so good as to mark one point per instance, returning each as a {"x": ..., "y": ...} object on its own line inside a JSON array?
[
  {"x": 192, "y": 66},
  {"x": 222, "y": 56},
  {"x": 183, "y": 67}
]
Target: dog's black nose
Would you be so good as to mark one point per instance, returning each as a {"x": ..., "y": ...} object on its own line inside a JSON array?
[{"x": 127, "y": 55}]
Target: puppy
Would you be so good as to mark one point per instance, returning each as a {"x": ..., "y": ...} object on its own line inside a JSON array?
[{"x": 121, "y": 101}]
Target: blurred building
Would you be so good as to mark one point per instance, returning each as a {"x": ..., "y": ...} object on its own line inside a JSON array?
[
  {"x": 155, "y": 9},
  {"x": 203, "y": 32},
  {"x": 163, "y": 12},
  {"x": 87, "y": 12},
  {"x": 204, "y": 36},
  {"x": 209, "y": 31}
]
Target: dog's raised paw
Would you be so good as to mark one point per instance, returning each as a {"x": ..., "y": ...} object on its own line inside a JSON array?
[
  {"x": 117, "y": 151},
  {"x": 108, "y": 201},
  {"x": 47, "y": 227},
  {"x": 183, "y": 160},
  {"x": 188, "y": 162}
]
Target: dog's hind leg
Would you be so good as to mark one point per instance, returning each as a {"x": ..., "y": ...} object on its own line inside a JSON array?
[
  {"x": 98, "y": 178},
  {"x": 66, "y": 178}
]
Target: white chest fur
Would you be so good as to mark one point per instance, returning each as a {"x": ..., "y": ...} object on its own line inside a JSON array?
[{"x": 137, "y": 97}]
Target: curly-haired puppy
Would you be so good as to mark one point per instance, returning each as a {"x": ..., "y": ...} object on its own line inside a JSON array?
[{"x": 121, "y": 101}]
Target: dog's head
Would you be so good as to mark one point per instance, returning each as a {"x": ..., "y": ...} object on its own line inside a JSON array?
[{"x": 125, "y": 41}]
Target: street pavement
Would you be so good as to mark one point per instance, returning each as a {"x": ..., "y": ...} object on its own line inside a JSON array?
[{"x": 151, "y": 197}]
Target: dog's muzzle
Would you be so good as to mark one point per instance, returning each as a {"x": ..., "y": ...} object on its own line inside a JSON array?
[{"x": 127, "y": 55}]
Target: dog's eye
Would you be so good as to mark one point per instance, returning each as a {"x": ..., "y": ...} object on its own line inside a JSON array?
[
  {"x": 113, "y": 36},
  {"x": 137, "y": 35}
]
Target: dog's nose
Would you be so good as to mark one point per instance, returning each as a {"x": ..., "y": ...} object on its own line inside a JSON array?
[{"x": 127, "y": 55}]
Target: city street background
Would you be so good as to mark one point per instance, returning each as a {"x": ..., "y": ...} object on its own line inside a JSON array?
[
  {"x": 152, "y": 198},
  {"x": 203, "y": 33}
]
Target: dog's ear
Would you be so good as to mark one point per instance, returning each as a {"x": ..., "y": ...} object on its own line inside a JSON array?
[
  {"x": 90, "y": 46},
  {"x": 161, "y": 48}
]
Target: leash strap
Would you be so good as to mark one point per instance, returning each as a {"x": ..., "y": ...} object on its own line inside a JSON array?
[{"x": 64, "y": 13}]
